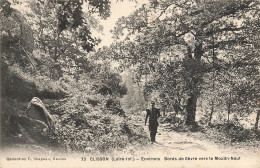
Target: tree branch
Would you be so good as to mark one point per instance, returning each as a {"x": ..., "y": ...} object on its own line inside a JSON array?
[
  {"x": 27, "y": 55},
  {"x": 223, "y": 43},
  {"x": 211, "y": 32},
  {"x": 228, "y": 12}
]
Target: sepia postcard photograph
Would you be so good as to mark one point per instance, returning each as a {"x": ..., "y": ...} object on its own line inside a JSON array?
[{"x": 130, "y": 83}]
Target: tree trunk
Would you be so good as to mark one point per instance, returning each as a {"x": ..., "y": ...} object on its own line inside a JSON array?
[
  {"x": 193, "y": 84},
  {"x": 191, "y": 109},
  {"x": 57, "y": 39},
  {"x": 257, "y": 120},
  {"x": 213, "y": 75},
  {"x": 211, "y": 113},
  {"x": 229, "y": 105}
]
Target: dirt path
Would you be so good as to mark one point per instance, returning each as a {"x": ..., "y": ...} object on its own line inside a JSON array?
[
  {"x": 174, "y": 145},
  {"x": 170, "y": 142},
  {"x": 172, "y": 149}
]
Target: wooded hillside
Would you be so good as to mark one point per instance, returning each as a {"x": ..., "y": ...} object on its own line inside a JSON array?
[{"x": 198, "y": 60}]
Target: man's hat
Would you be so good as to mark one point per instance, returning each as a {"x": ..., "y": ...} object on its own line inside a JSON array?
[{"x": 152, "y": 102}]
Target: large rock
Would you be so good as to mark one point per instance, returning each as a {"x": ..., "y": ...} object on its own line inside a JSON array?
[
  {"x": 37, "y": 111},
  {"x": 32, "y": 127},
  {"x": 26, "y": 130}
]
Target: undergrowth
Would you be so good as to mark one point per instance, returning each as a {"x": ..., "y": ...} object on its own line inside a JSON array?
[{"x": 84, "y": 127}]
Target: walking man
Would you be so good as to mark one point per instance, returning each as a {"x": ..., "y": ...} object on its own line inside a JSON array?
[{"x": 153, "y": 114}]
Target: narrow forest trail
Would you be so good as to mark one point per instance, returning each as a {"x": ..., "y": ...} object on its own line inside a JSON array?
[{"x": 170, "y": 146}]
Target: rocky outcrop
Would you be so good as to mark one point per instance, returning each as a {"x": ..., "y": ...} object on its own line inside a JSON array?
[
  {"x": 34, "y": 127},
  {"x": 37, "y": 111}
]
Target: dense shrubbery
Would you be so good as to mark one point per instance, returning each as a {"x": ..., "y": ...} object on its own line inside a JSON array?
[
  {"x": 236, "y": 132},
  {"x": 177, "y": 122},
  {"x": 22, "y": 85},
  {"x": 87, "y": 128},
  {"x": 84, "y": 121}
]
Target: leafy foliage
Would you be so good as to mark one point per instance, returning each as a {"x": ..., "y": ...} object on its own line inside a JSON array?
[
  {"x": 46, "y": 54},
  {"x": 185, "y": 49},
  {"x": 180, "y": 53},
  {"x": 88, "y": 127}
]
